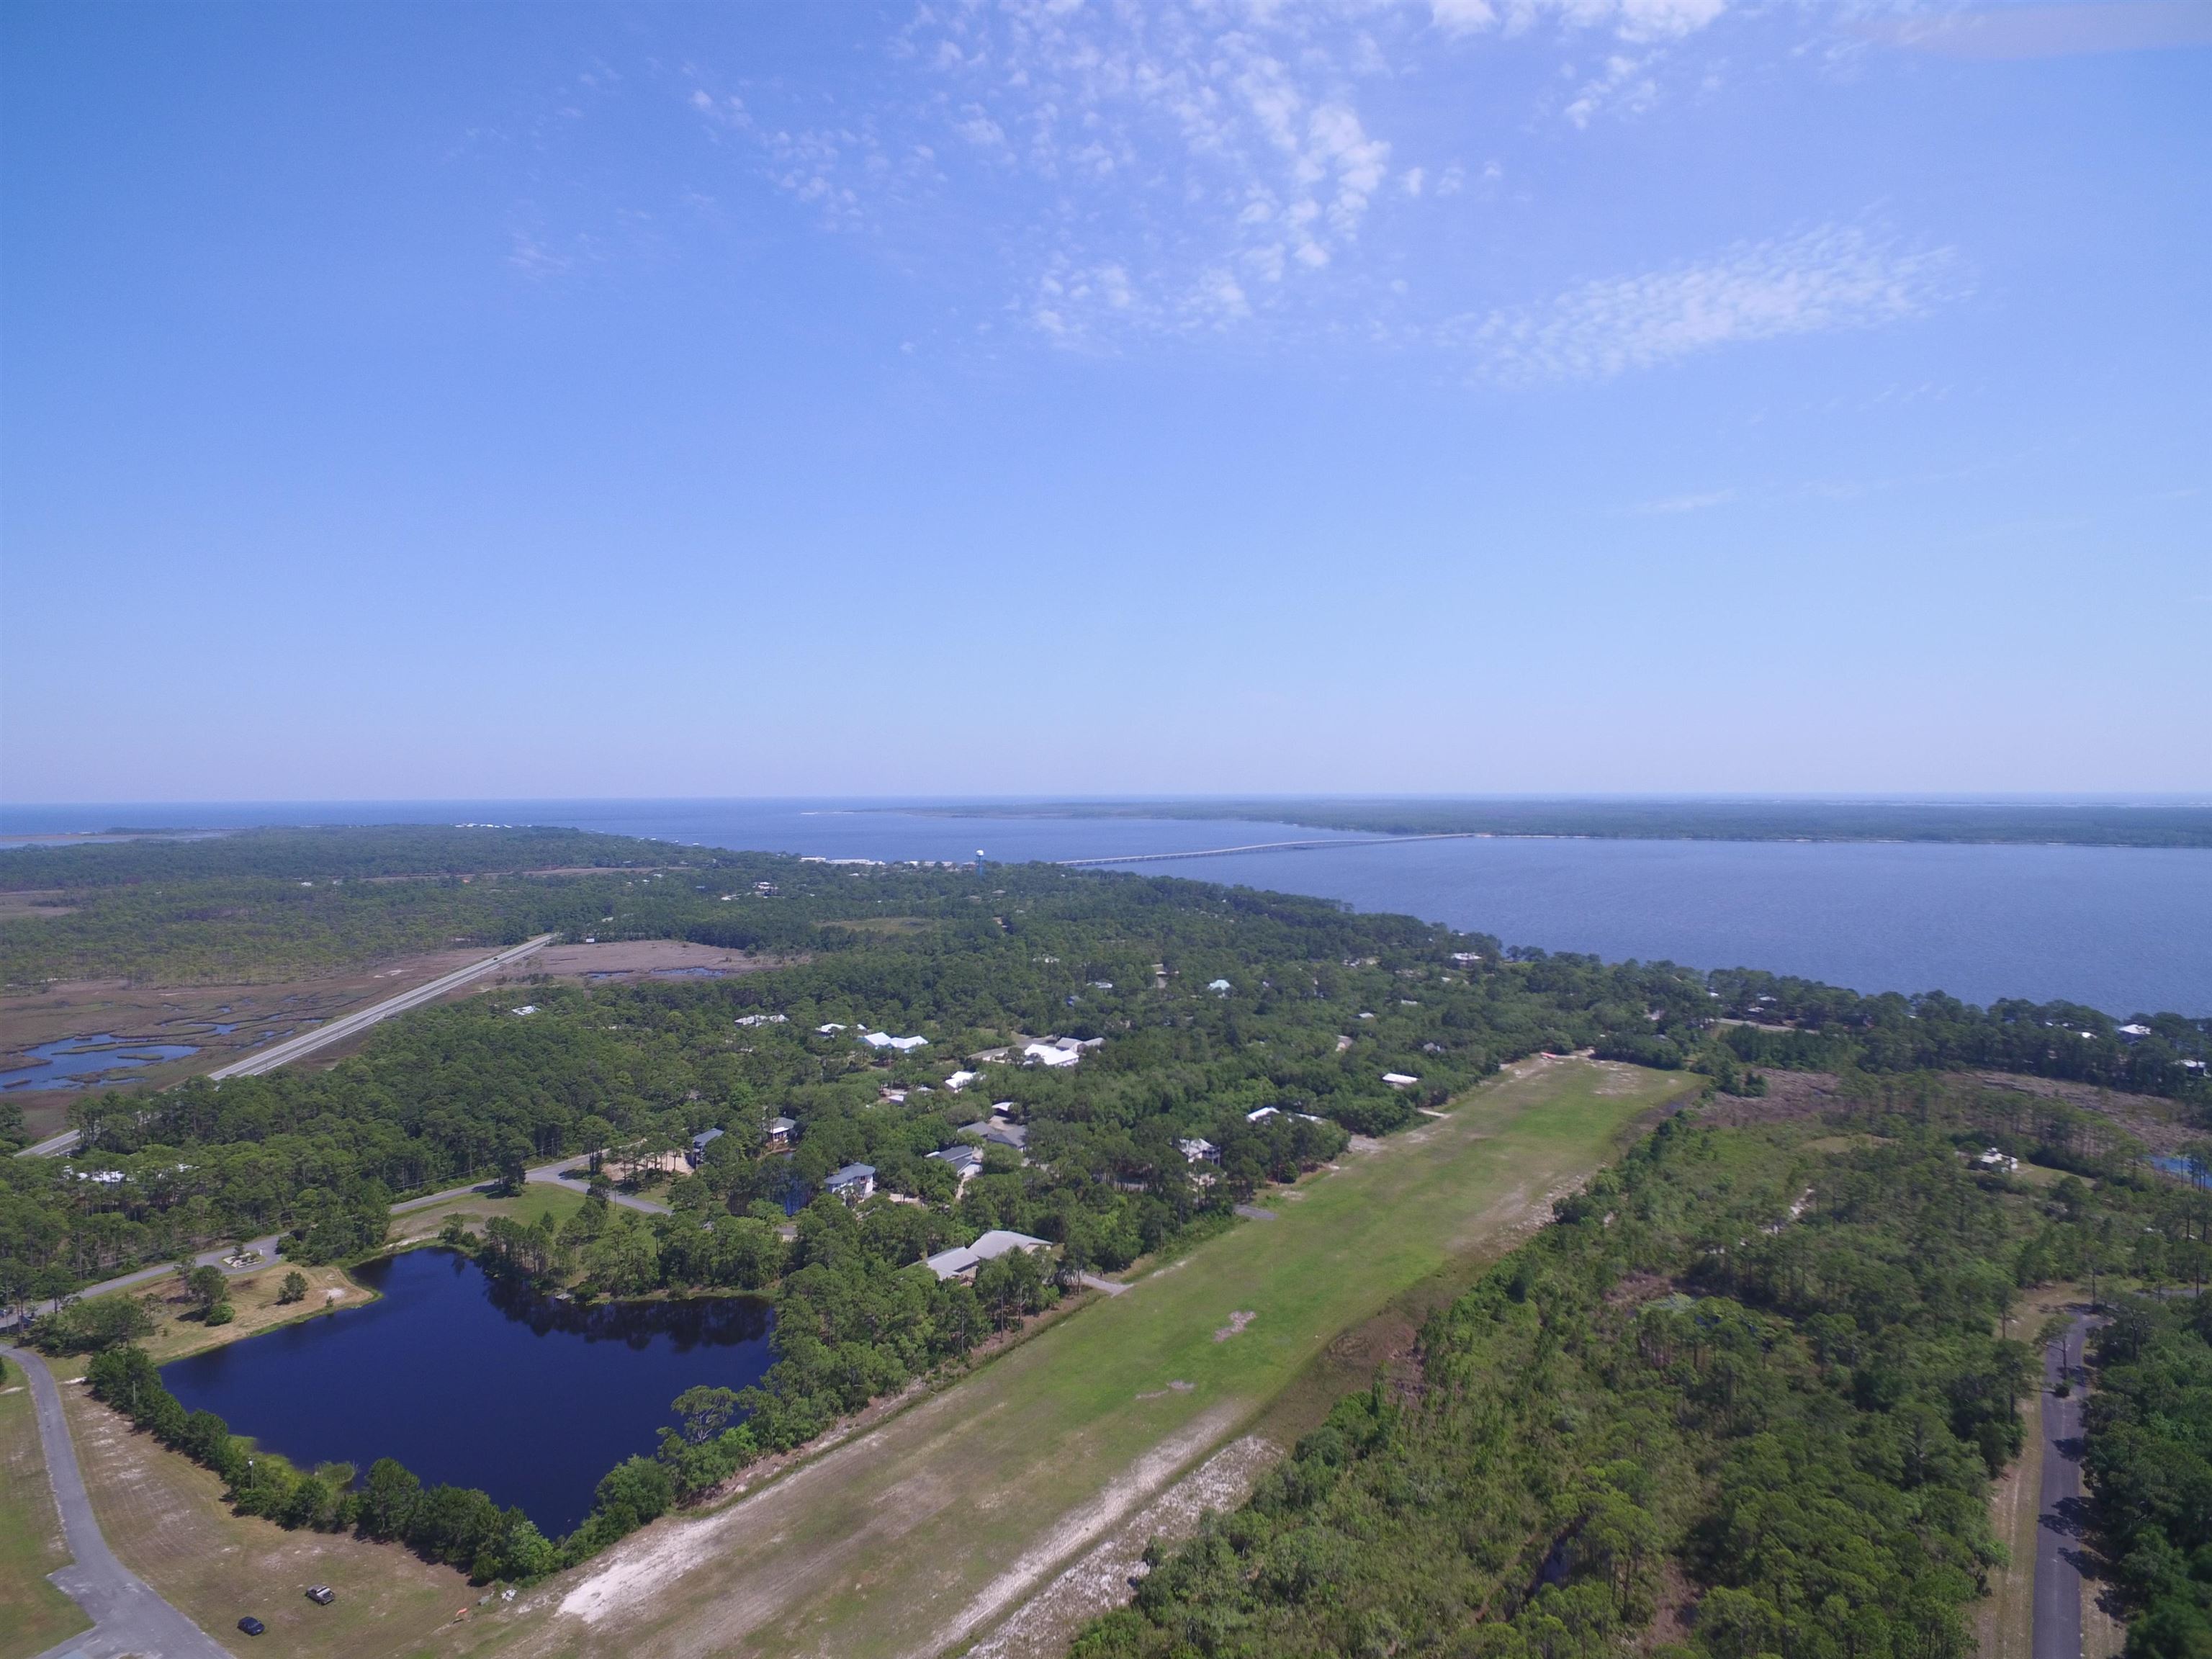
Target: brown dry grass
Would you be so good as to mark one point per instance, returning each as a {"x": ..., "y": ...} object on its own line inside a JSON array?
[
  {"x": 165, "y": 1518},
  {"x": 254, "y": 1297}
]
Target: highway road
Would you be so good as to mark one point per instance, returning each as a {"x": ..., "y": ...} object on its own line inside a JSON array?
[
  {"x": 128, "y": 1616},
  {"x": 338, "y": 1030}
]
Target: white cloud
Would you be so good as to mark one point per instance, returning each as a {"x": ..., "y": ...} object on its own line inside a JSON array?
[{"x": 1823, "y": 280}]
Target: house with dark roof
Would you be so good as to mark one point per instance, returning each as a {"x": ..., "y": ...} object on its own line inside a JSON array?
[{"x": 853, "y": 1182}]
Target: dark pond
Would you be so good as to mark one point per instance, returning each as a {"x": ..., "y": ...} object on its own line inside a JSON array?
[
  {"x": 69, "y": 1063},
  {"x": 467, "y": 1379}
]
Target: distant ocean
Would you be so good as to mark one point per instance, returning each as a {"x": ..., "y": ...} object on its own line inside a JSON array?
[{"x": 2127, "y": 930}]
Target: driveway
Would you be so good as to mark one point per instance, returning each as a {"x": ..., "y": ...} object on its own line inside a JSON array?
[{"x": 127, "y": 1616}]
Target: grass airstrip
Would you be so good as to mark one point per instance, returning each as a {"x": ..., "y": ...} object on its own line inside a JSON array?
[
  {"x": 916, "y": 1537},
  {"x": 919, "y": 1535}
]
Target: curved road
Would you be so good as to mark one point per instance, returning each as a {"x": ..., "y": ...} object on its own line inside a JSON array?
[{"x": 127, "y": 1616}]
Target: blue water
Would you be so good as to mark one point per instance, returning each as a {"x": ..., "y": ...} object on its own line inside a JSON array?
[
  {"x": 2125, "y": 929},
  {"x": 72, "y": 1062},
  {"x": 548, "y": 1399},
  {"x": 2197, "y": 1175}
]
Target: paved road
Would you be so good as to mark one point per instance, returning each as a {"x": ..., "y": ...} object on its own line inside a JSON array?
[
  {"x": 2057, "y": 1581},
  {"x": 338, "y": 1030},
  {"x": 266, "y": 1245},
  {"x": 547, "y": 1174},
  {"x": 127, "y": 1616}
]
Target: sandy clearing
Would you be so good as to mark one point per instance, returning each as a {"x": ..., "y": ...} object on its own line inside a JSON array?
[
  {"x": 1083, "y": 1527},
  {"x": 1099, "y": 1581}
]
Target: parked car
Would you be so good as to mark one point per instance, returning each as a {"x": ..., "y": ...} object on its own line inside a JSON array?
[
  {"x": 321, "y": 1594},
  {"x": 251, "y": 1625}
]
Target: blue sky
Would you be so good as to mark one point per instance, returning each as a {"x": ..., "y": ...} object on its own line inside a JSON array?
[{"x": 1574, "y": 395}]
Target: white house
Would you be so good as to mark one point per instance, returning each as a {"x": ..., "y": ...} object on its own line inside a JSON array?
[
  {"x": 882, "y": 1040},
  {"x": 1219, "y": 987},
  {"x": 961, "y": 1262},
  {"x": 780, "y": 1130},
  {"x": 1198, "y": 1151},
  {"x": 853, "y": 1182},
  {"x": 1262, "y": 1115},
  {"x": 960, "y": 1080},
  {"x": 1399, "y": 1079}
]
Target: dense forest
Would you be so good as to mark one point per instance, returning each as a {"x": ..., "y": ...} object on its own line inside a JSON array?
[
  {"x": 1745, "y": 1396},
  {"x": 2085, "y": 824},
  {"x": 2149, "y": 1458},
  {"x": 1209, "y": 1004}
]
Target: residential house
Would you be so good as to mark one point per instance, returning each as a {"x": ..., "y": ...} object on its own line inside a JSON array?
[
  {"x": 966, "y": 1162},
  {"x": 882, "y": 1040},
  {"x": 1198, "y": 1151},
  {"x": 1059, "y": 1051},
  {"x": 853, "y": 1182},
  {"x": 962, "y": 1261},
  {"x": 960, "y": 1080},
  {"x": 779, "y": 1132},
  {"x": 1399, "y": 1079},
  {"x": 999, "y": 1132},
  {"x": 699, "y": 1142}
]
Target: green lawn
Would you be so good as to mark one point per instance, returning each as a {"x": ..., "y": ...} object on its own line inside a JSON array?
[
  {"x": 897, "y": 1542},
  {"x": 33, "y": 1615},
  {"x": 537, "y": 1198}
]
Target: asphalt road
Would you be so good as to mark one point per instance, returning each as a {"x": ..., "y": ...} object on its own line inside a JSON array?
[
  {"x": 2058, "y": 1528},
  {"x": 548, "y": 1174},
  {"x": 128, "y": 1617},
  {"x": 338, "y": 1030}
]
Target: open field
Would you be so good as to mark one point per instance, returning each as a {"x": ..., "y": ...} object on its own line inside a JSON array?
[
  {"x": 254, "y": 1297},
  {"x": 165, "y": 1518},
  {"x": 33, "y": 1615},
  {"x": 923, "y": 1534},
  {"x": 631, "y": 959},
  {"x": 475, "y": 1208}
]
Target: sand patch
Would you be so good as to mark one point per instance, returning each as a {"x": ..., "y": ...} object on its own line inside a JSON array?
[
  {"x": 1081, "y": 1528},
  {"x": 1099, "y": 1581}
]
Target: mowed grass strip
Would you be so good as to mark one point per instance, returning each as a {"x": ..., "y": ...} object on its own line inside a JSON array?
[
  {"x": 33, "y": 1615},
  {"x": 919, "y": 1535}
]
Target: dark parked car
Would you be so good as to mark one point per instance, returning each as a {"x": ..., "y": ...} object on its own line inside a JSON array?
[
  {"x": 251, "y": 1625},
  {"x": 321, "y": 1594}
]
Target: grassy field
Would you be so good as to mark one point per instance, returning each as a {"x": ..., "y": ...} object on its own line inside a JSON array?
[
  {"x": 475, "y": 1208},
  {"x": 165, "y": 1517},
  {"x": 915, "y": 1538},
  {"x": 252, "y": 1295},
  {"x": 33, "y": 1615}
]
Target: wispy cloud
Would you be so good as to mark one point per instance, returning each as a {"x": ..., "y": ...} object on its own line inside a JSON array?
[
  {"x": 1822, "y": 280},
  {"x": 1677, "y": 504}
]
